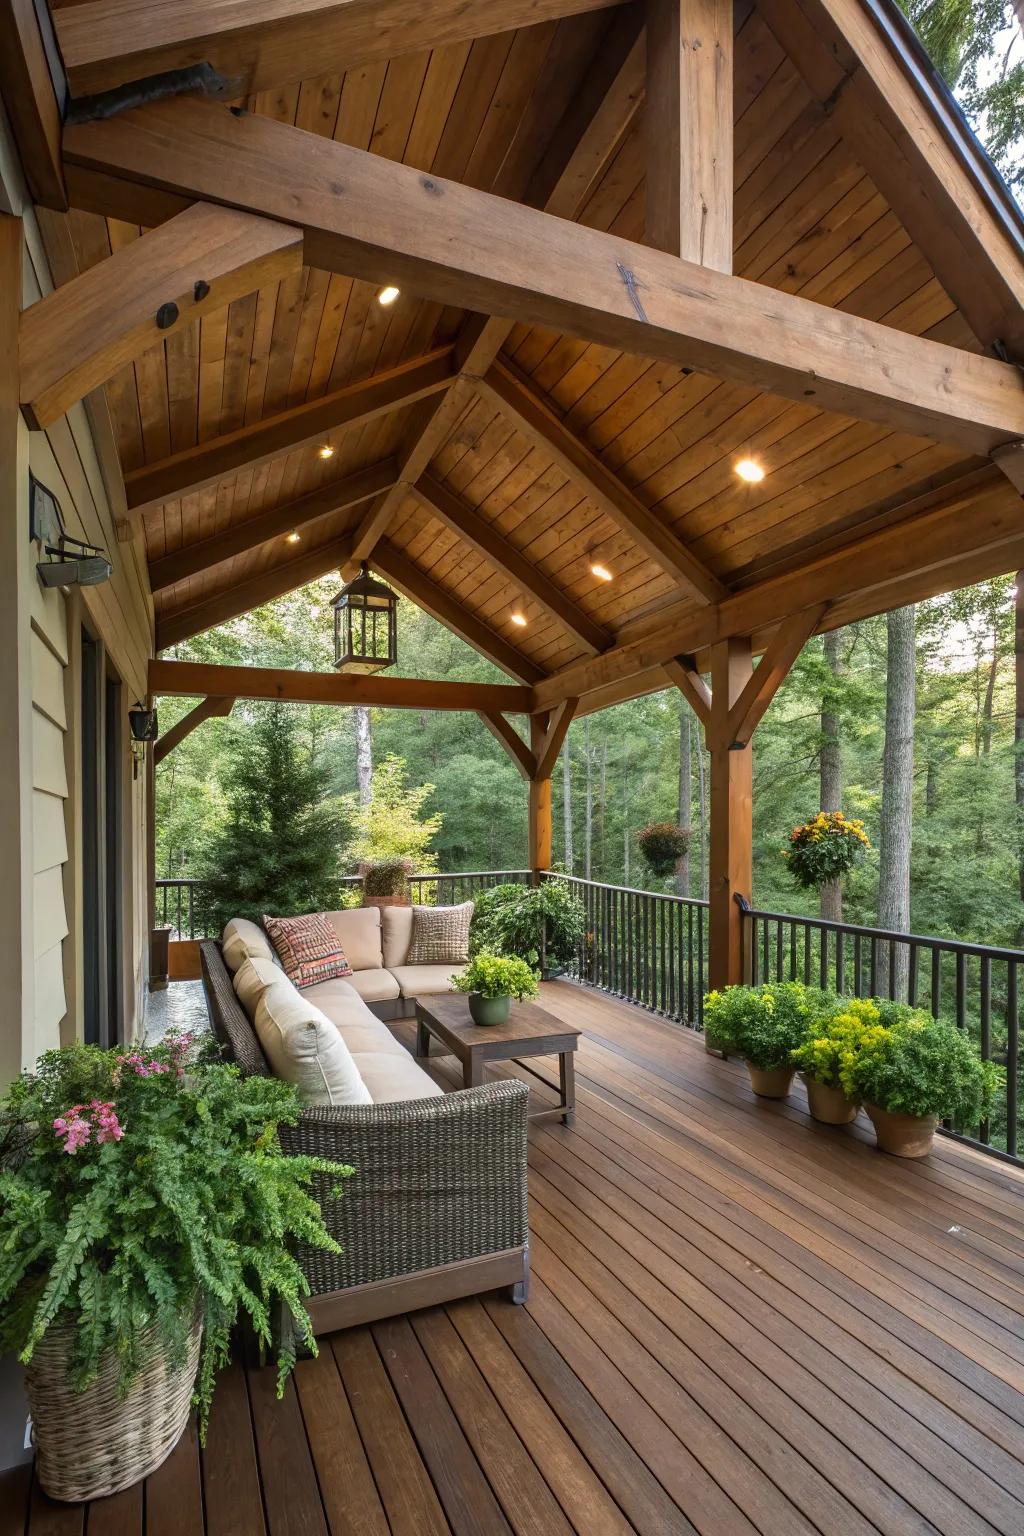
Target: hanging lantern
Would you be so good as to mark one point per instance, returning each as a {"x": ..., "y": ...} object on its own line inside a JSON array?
[{"x": 365, "y": 625}]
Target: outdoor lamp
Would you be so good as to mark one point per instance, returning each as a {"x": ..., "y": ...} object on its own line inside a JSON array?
[
  {"x": 365, "y": 625},
  {"x": 71, "y": 562},
  {"x": 142, "y": 723}
]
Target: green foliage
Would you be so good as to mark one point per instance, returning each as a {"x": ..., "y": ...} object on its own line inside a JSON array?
[
  {"x": 764, "y": 1024},
  {"x": 389, "y": 877},
  {"x": 541, "y": 924},
  {"x": 825, "y": 848},
  {"x": 139, "y": 1185},
  {"x": 836, "y": 1037},
  {"x": 277, "y": 849},
  {"x": 394, "y": 825},
  {"x": 913, "y": 1064},
  {"x": 662, "y": 844},
  {"x": 497, "y": 976}
]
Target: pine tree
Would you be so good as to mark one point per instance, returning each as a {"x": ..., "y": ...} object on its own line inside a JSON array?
[{"x": 278, "y": 850}]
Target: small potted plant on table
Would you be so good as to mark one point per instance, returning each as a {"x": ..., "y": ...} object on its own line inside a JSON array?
[
  {"x": 144, "y": 1203},
  {"x": 491, "y": 982},
  {"x": 764, "y": 1025}
]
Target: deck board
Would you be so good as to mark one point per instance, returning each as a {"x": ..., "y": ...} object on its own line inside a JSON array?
[{"x": 740, "y": 1322}]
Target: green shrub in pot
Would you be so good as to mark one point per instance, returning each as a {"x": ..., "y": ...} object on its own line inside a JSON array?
[
  {"x": 492, "y": 981},
  {"x": 764, "y": 1025},
  {"x": 835, "y": 1035},
  {"x": 145, "y": 1204},
  {"x": 542, "y": 924}
]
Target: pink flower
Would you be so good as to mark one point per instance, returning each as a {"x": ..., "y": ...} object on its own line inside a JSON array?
[{"x": 75, "y": 1129}]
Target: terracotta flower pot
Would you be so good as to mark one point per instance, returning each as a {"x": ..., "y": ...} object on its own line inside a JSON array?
[
  {"x": 773, "y": 1083},
  {"x": 387, "y": 901},
  {"x": 829, "y": 1105},
  {"x": 489, "y": 1010},
  {"x": 902, "y": 1135}
]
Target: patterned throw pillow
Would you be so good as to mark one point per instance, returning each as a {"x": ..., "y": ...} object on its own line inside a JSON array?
[
  {"x": 308, "y": 948},
  {"x": 440, "y": 935}
]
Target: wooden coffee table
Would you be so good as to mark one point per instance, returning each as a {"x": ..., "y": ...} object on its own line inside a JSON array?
[{"x": 530, "y": 1031}]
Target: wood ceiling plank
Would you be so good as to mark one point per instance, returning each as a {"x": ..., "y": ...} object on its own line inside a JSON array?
[
  {"x": 266, "y": 43},
  {"x": 275, "y": 435},
  {"x": 78, "y": 336}
]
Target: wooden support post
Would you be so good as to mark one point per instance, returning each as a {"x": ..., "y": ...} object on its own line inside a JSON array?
[
  {"x": 540, "y": 803},
  {"x": 731, "y": 855}
]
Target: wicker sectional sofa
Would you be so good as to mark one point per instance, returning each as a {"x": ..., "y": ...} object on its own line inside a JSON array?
[{"x": 437, "y": 1206}]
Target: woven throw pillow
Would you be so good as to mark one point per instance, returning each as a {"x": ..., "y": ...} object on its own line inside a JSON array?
[
  {"x": 308, "y": 948},
  {"x": 440, "y": 935}
]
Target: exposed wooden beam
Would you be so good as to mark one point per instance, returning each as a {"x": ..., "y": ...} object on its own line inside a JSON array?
[
  {"x": 221, "y": 457},
  {"x": 972, "y": 534},
  {"x": 34, "y": 90},
  {"x": 77, "y": 337},
  {"x": 240, "y": 597},
  {"x": 1010, "y": 459},
  {"x": 396, "y": 566},
  {"x": 206, "y": 709},
  {"x": 746, "y": 714},
  {"x": 682, "y": 670},
  {"x": 365, "y": 215},
  {"x": 688, "y": 125},
  {"x": 189, "y": 678},
  {"x": 480, "y": 535},
  {"x": 555, "y": 734},
  {"x": 908, "y": 137},
  {"x": 274, "y": 523},
  {"x": 510, "y": 393},
  {"x": 509, "y": 738},
  {"x": 265, "y": 43}
]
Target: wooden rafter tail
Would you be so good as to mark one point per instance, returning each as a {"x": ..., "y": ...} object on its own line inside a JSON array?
[
  {"x": 683, "y": 671},
  {"x": 247, "y": 447},
  {"x": 775, "y": 665},
  {"x": 190, "y": 678},
  {"x": 234, "y": 599},
  {"x": 206, "y": 709},
  {"x": 34, "y": 92},
  {"x": 503, "y": 556},
  {"x": 510, "y": 393},
  {"x": 77, "y": 337},
  {"x": 274, "y": 523},
  {"x": 555, "y": 734},
  {"x": 509, "y": 738},
  {"x": 455, "y": 244}
]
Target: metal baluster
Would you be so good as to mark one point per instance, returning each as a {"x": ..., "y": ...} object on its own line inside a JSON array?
[
  {"x": 840, "y": 960},
  {"x": 191, "y": 913},
  {"x": 912, "y": 976},
  {"x": 936, "y": 980},
  {"x": 874, "y": 969},
  {"x": 985, "y": 1027},
  {"x": 765, "y": 946},
  {"x": 778, "y": 951},
  {"x": 1012, "y": 1057},
  {"x": 858, "y": 971},
  {"x": 701, "y": 973},
  {"x": 674, "y": 915},
  {"x": 823, "y": 958},
  {"x": 664, "y": 912},
  {"x": 961, "y": 990},
  {"x": 807, "y": 954},
  {"x": 792, "y": 952}
]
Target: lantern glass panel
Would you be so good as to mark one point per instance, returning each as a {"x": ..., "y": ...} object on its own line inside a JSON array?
[{"x": 365, "y": 626}]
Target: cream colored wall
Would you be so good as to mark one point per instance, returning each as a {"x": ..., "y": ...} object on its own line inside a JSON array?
[{"x": 41, "y": 971}]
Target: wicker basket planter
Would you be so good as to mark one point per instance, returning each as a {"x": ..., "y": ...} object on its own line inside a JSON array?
[{"x": 93, "y": 1443}]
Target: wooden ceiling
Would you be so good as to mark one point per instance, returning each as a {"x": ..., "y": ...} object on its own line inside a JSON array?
[{"x": 807, "y": 219}]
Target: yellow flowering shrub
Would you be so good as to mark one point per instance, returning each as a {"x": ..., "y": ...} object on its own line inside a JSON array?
[{"x": 825, "y": 848}]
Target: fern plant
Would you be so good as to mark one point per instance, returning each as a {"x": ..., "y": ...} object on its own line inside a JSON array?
[{"x": 139, "y": 1185}]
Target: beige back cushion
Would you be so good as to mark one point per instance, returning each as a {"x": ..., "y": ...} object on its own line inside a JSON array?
[
  {"x": 358, "y": 931},
  {"x": 245, "y": 940},
  {"x": 305, "y": 1048},
  {"x": 252, "y": 979},
  {"x": 440, "y": 935},
  {"x": 396, "y": 932}
]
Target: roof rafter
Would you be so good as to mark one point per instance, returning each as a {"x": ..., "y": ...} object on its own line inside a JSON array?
[{"x": 458, "y": 245}]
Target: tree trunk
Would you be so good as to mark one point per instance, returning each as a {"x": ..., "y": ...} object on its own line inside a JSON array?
[
  {"x": 831, "y": 763},
  {"x": 685, "y": 797},
  {"x": 601, "y": 807},
  {"x": 625, "y": 824},
  {"x": 588, "y": 828},
  {"x": 990, "y": 693},
  {"x": 1018, "y": 739},
  {"x": 567, "y": 811},
  {"x": 364, "y": 754},
  {"x": 897, "y": 794}
]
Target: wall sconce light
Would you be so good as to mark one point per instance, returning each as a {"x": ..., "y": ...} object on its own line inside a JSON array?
[
  {"x": 71, "y": 562},
  {"x": 143, "y": 724}
]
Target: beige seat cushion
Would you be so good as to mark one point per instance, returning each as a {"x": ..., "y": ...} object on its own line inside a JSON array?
[
  {"x": 426, "y": 980},
  {"x": 303, "y": 1047},
  {"x": 369, "y": 1034},
  {"x": 360, "y": 1029},
  {"x": 396, "y": 933},
  {"x": 325, "y": 994},
  {"x": 358, "y": 930},
  {"x": 391, "y": 1079},
  {"x": 374, "y": 986},
  {"x": 252, "y": 979},
  {"x": 245, "y": 940}
]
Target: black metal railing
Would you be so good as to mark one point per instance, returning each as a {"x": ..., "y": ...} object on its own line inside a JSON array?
[
  {"x": 976, "y": 986},
  {"x": 645, "y": 947}
]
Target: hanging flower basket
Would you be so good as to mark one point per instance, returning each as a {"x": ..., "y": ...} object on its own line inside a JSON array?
[
  {"x": 825, "y": 849},
  {"x": 662, "y": 845}
]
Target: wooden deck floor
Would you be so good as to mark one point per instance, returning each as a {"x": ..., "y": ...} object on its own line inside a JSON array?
[{"x": 739, "y": 1322}]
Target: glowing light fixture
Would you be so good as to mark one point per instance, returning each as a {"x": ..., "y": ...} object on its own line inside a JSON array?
[
  {"x": 750, "y": 470},
  {"x": 601, "y": 572},
  {"x": 388, "y": 295},
  {"x": 326, "y": 452},
  {"x": 293, "y": 537},
  {"x": 518, "y": 618}
]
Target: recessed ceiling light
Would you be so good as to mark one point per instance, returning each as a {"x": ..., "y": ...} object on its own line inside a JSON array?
[
  {"x": 293, "y": 537},
  {"x": 518, "y": 618},
  {"x": 601, "y": 572},
  {"x": 388, "y": 295},
  {"x": 749, "y": 470},
  {"x": 326, "y": 452}
]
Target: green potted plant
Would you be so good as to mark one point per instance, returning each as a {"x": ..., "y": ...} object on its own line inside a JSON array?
[
  {"x": 662, "y": 844},
  {"x": 911, "y": 1071},
  {"x": 824, "y": 849},
  {"x": 764, "y": 1025},
  {"x": 542, "y": 924},
  {"x": 837, "y": 1033},
  {"x": 386, "y": 883},
  {"x": 492, "y": 981},
  {"x": 145, "y": 1203}
]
